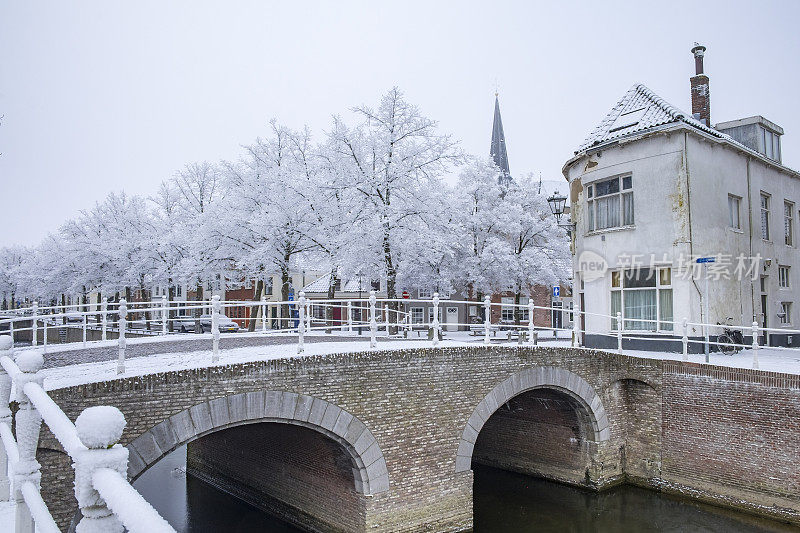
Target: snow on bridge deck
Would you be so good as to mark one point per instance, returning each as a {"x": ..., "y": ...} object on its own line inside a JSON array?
[{"x": 67, "y": 365}]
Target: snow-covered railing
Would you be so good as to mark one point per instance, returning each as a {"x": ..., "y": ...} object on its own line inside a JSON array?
[
  {"x": 376, "y": 316},
  {"x": 107, "y": 501}
]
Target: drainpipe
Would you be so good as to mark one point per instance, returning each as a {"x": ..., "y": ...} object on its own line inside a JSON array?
[{"x": 689, "y": 208}]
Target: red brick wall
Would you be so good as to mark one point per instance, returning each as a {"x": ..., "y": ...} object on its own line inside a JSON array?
[{"x": 289, "y": 471}]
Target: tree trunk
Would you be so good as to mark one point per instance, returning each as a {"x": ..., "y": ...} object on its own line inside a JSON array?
[
  {"x": 64, "y": 308},
  {"x": 329, "y": 305},
  {"x": 517, "y": 311},
  {"x": 171, "y": 312},
  {"x": 284, "y": 313},
  {"x": 391, "y": 281},
  {"x": 198, "y": 296},
  {"x": 251, "y": 326}
]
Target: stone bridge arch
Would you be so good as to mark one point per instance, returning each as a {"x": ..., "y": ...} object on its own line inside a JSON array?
[
  {"x": 526, "y": 380},
  {"x": 369, "y": 470}
]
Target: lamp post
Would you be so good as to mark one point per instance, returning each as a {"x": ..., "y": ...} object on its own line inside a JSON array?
[{"x": 557, "y": 203}]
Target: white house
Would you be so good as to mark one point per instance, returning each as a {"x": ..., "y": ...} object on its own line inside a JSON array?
[{"x": 652, "y": 190}]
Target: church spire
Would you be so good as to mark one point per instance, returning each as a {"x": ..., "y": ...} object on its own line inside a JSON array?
[{"x": 498, "y": 149}]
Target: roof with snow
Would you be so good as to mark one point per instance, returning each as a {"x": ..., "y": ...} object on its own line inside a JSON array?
[
  {"x": 639, "y": 110},
  {"x": 351, "y": 285}
]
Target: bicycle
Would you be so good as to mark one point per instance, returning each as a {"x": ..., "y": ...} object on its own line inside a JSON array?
[{"x": 730, "y": 341}]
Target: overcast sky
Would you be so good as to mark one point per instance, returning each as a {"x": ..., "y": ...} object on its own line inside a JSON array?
[{"x": 102, "y": 96}]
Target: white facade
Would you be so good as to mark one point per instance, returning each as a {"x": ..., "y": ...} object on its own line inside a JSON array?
[{"x": 685, "y": 185}]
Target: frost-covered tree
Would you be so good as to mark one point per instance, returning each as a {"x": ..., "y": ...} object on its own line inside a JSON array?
[{"x": 395, "y": 158}]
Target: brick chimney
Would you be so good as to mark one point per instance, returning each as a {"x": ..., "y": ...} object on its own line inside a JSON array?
[{"x": 701, "y": 99}]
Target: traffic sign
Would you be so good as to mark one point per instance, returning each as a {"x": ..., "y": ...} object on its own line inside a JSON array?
[
  {"x": 406, "y": 295},
  {"x": 706, "y": 260},
  {"x": 556, "y": 291}
]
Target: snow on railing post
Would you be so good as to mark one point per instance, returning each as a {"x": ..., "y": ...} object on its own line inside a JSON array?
[
  {"x": 28, "y": 425},
  {"x": 99, "y": 428},
  {"x": 308, "y": 316},
  {"x": 84, "y": 325},
  {"x": 44, "y": 335},
  {"x": 685, "y": 339},
  {"x": 301, "y": 323},
  {"x": 755, "y": 345},
  {"x": 373, "y": 320},
  {"x": 6, "y": 350},
  {"x": 164, "y": 314},
  {"x": 487, "y": 321},
  {"x": 104, "y": 318},
  {"x": 349, "y": 316},
  {"x": 435, "y": 325},
  {"x": 531, "y": 326},
  {"x": 263, "y": 314},
  {"x": 619, "y": 332},
  {"x": 11, "y": 329},
  {"x": 35, "y": 324},
  {"x": 215, "y": 308},
  {"x": 121, "y": 341},
  {"x": 386, "y": 316},
  {"x": 576, "y": 329}
]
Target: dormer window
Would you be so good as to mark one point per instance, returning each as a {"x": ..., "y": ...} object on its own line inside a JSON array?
[{"x": 628, "y": 119}]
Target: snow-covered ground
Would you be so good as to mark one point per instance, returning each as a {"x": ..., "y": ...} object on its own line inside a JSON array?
[{"x": 771, "y": 359}]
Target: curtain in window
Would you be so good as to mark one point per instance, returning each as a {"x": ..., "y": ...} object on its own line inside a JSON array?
[
  {"x": 607, "y": 212},
  {"x": 665, "y": 304},
  {"x": 616, "y": 307},
  {"x": 627, "y": 200},
  {"x": 640, "y": 305}
]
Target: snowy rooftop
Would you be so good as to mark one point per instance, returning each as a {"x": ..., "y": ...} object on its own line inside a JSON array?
[{"x": 641, "y": 109}]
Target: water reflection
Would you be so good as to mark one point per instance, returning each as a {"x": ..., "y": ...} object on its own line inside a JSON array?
[{"x": 503, "y": 502}]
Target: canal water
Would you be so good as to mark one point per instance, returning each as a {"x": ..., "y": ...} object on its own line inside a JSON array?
[{"x": 504, "y": 502}]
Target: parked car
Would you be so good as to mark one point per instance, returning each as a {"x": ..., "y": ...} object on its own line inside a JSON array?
[
  {"x": 225, "y": 324},
  {"x": 185, "y": 324}
]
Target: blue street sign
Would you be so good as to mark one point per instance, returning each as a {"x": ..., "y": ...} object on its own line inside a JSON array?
[
  {"x": 706, "y": 260},
  {"x": 556, "y": 291}
]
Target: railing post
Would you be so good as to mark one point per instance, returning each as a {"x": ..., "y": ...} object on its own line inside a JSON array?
[
  {"x": 619, "y": 332},
  {"x": 121, "y": 341},
  {"x": 301, "y": 322},
  {"x": 11, "y": 329},
  {"x": 35, "y": 324},
  {"x": 215, "y": 308},
  {"x": 576, "y": 328},
  {"x": 349, "y": 316},
  {"x": 28, "y": 424},
  {"x": 164, "y": 314},
  {"x": 44, "y": 334},
  {"x": 386, "y": 316},
  {"x": 263, "y": 314},
  {"x": 487, "y": 322},
  {"x": 308, "y": 316},
  {"x": 531, "y": 326},
  {"x": 6, "y": 349},
  {"x": 755, "y": 345},
  {"x": 99, "y": 428},
  {"x": 104, "y": 318},
  {"x": 84, "y": 326},
  {"x": 373, "y": 322},
  {"x": 435, "y": 325},
  {"x": 685, "y": 339}
]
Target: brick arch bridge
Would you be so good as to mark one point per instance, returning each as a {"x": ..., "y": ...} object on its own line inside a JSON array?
[{"x": 392, "y": 434}]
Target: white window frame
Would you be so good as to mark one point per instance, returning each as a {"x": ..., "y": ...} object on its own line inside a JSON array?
[
  {"x": 734, "y": 208},
  {"x": 662, "y": 326},
  {"x": 507, "y": 308},
  {"x": 424, "y": 294},
  {"x": 786, "y": 310},
  {"x": 788, "y": 223},
  {"x": 784, "y": 277},
  {"x": 625, "y": 219},
  {"x": 764, "y": 201},
  {"x": 421, "y": 311}
]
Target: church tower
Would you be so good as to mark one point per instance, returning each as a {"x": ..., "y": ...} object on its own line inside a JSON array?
[{"x": 498, "y": 148}]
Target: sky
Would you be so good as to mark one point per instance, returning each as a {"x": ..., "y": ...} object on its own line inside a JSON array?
[{"x": 101, "y": 96}]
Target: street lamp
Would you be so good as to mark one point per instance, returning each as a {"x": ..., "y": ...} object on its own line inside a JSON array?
[{"x": 557, "y": 202}]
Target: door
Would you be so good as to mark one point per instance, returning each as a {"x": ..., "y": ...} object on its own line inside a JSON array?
[
  {"x": 557, "y": 315},
  {"x": 452, "y": 319}
]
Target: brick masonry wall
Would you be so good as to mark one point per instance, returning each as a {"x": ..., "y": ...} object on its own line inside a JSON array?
[
  {"x": 289, "y": 471},
  {"x": 663, "y": 420}
]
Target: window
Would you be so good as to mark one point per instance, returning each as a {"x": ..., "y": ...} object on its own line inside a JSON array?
[
  {"x": 179, "y": 291},
  {"x": 765, "y": 216},
  {"x": 786, "y": 313},
  {"x": 507, "y": 309},
  {"x": 417, "y": 315},
  {"x": 783, "y": 277},
  {"x": 772, "y": 144},
  {"x": 375, "y": 285},
  {"x": 788, "y": 223},
  {"x": 423, "y": 294},
  {"x": 644, "y": 297},
  {"x": 734, "y": 203},
  {"x": 268, "y": 286},
  {"x": 610, "y": 203}
]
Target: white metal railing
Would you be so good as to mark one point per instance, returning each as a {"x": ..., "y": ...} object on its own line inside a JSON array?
[
  {"x": 373, "y": 314},
  {"x": 107, "y": 500}
]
